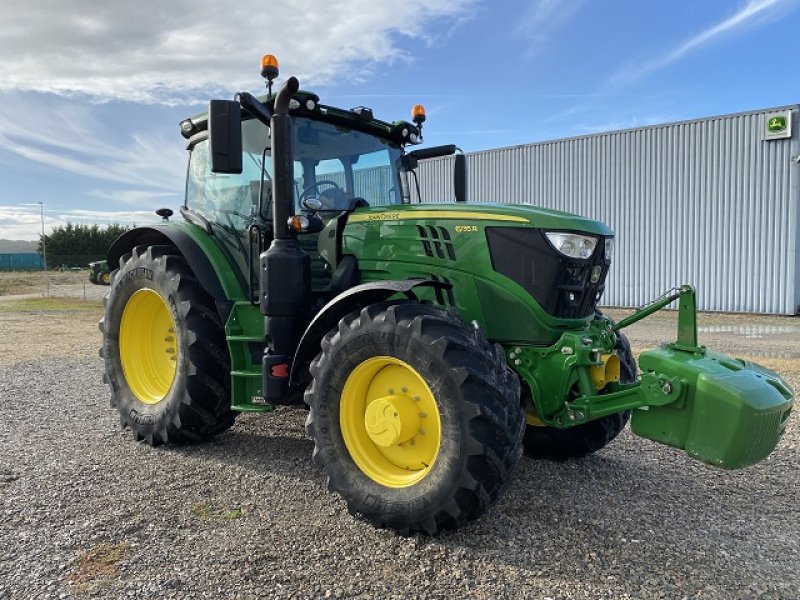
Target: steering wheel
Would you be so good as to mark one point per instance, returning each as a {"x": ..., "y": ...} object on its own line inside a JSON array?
[{"x": 315, "y": 187}]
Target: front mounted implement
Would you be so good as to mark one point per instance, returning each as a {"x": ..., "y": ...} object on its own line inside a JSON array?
[{"x": 723, "y": 411}]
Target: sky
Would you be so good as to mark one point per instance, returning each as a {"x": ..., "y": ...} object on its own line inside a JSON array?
[{"x": 92, "y": 91}]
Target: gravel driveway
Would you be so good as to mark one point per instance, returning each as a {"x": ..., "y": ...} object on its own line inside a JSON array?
[{"x": 85, "y": 511}]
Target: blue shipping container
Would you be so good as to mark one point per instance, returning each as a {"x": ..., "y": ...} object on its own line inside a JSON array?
[{"x": 21, "y": 261}]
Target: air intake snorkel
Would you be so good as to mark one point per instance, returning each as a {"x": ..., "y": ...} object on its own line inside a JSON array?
[
  {"x": 285, "y": 268},
  {"x": 283, "y": 161}
]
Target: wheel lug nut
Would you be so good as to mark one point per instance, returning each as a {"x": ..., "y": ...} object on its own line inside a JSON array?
[
  {"x": 422, "y": 432},
  {"x": 404, "y": 389},
  {"x": 423, "y": 414}
]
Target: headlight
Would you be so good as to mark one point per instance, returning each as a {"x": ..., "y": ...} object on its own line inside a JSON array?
[
  {"x": 573, "y": 245},
  {"x": 609, "y": 248}
]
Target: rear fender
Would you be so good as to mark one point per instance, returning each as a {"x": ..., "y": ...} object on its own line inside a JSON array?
[{"x": 198, "y": 260}]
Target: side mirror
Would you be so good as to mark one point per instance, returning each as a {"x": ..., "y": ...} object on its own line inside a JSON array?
[
  {"x": 225, "y": 136},
  {"x": 460, "y": 178}
]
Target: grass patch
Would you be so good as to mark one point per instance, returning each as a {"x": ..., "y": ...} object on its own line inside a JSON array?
[
  {"x": 47, "y": 304},
  {"x": 99, "y": 562},
  {"x": 232, "y": 514},
  {"x": 208, "y": 511}
]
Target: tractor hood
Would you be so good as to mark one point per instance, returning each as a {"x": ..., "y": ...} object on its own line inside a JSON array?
[{"x": 522, "y": 214}]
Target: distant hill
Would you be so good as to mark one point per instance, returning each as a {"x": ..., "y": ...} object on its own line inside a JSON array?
[{"x": 17, "y": 246}]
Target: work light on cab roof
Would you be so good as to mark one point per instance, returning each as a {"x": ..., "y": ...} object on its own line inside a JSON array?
[
  {"x": 269, "y": 70},
  {"x": 418, "y": 116}
]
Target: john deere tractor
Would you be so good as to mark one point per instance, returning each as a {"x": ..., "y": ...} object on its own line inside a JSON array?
[
  {"x": 433, "y": 344},
  {"x": 99, "y": 272}
]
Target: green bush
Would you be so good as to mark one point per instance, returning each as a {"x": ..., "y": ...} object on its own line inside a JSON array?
[{"x": 73, "y": 245}]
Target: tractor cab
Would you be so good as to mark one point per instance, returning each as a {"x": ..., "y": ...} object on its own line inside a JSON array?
[
  {"x": 335, "y": 169},
  {"x": 342, "y": 160}
]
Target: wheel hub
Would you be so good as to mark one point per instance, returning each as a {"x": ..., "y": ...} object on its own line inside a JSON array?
[{"x": 392, "y": 420}]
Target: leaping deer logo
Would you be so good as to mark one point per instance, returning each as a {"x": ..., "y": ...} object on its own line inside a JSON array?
[{"x": 777, "y": 124}]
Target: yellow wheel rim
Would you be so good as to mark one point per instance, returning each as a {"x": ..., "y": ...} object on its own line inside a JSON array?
[
  {"x": 390, "y": 422},
  {"x": 148, "y": 349},
  {"x": 105, "y": 278}
]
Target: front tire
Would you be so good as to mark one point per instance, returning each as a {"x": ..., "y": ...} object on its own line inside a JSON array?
[
  {"x": 164, "y": 350},
  {"x": 415, "y": 417}
]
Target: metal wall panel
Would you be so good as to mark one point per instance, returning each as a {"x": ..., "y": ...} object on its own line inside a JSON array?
[
  {"x": 707, "y": 202},
  {"x": 375, "y": 184}
]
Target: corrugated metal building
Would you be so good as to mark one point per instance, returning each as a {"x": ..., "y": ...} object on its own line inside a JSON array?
[{"x": 714, "y": 202}]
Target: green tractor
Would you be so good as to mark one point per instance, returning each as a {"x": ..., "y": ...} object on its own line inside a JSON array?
[
  {"x": 433, "y": 344},
  {"x": 99, "y": 272}
]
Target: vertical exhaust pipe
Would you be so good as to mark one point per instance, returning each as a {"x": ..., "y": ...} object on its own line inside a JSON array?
[
  {"x": 283, "y": 161},
  {"x": 285, "y": 268}
]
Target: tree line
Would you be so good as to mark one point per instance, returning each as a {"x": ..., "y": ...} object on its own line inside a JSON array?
[{"x": 74, "y": 245}]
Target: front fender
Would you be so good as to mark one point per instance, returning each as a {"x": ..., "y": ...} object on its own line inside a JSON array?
[{"x": 349, "y": 301}]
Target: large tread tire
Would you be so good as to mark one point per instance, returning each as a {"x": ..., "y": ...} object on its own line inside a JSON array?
[
  {"x": 197, "y": 405},
  {"x": 582, "y": 440},
  {"x": 477, "y": 396}
]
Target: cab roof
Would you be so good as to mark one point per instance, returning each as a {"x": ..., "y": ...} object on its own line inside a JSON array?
[{"x": 306, "y": 104}]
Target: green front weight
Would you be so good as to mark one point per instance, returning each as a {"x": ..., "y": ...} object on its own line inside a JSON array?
[{"x": 733, "y": 414}]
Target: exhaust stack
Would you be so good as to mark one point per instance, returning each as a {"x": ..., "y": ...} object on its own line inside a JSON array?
[{"x": 285, "y": 268}]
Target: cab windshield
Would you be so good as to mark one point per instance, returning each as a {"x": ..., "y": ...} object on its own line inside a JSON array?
[
  {"x": 334, "y": 164},
  {"x": 335, "y": 169},
  {"x": 338, "y": 165}
]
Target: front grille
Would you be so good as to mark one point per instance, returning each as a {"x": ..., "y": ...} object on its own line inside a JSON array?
[{"x": 561, "y": 285}]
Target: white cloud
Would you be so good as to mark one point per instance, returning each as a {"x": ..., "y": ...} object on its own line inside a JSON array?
[
  {"x": 107, "y": 217},
  {"x": 138, "y": 198},
  {"x": 73, "y": 140},
  {"x": 24, "y": 222},
  {"x": 629, "y": 122},
  {"x": 542, "y": 18},
  {"x": 748, "y": 14},
  {"x": 173, "y": 52}
]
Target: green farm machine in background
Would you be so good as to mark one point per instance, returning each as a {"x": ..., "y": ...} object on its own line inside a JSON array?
[
  {"x": 433, "y": 343},
  {"x": 99, "y": 272}
]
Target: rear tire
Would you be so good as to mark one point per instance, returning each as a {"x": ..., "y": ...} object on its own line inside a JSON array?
[
  {"x": 582, "y": 440},
  {"x": 164, "y": 350},
  {"x": 471, "y": 393}
]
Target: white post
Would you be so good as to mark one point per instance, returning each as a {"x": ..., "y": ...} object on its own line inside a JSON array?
[{"x": 44, "y": 246}]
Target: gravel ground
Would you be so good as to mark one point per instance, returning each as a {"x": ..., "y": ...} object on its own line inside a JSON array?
[{"x": 85, "y": 511}]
